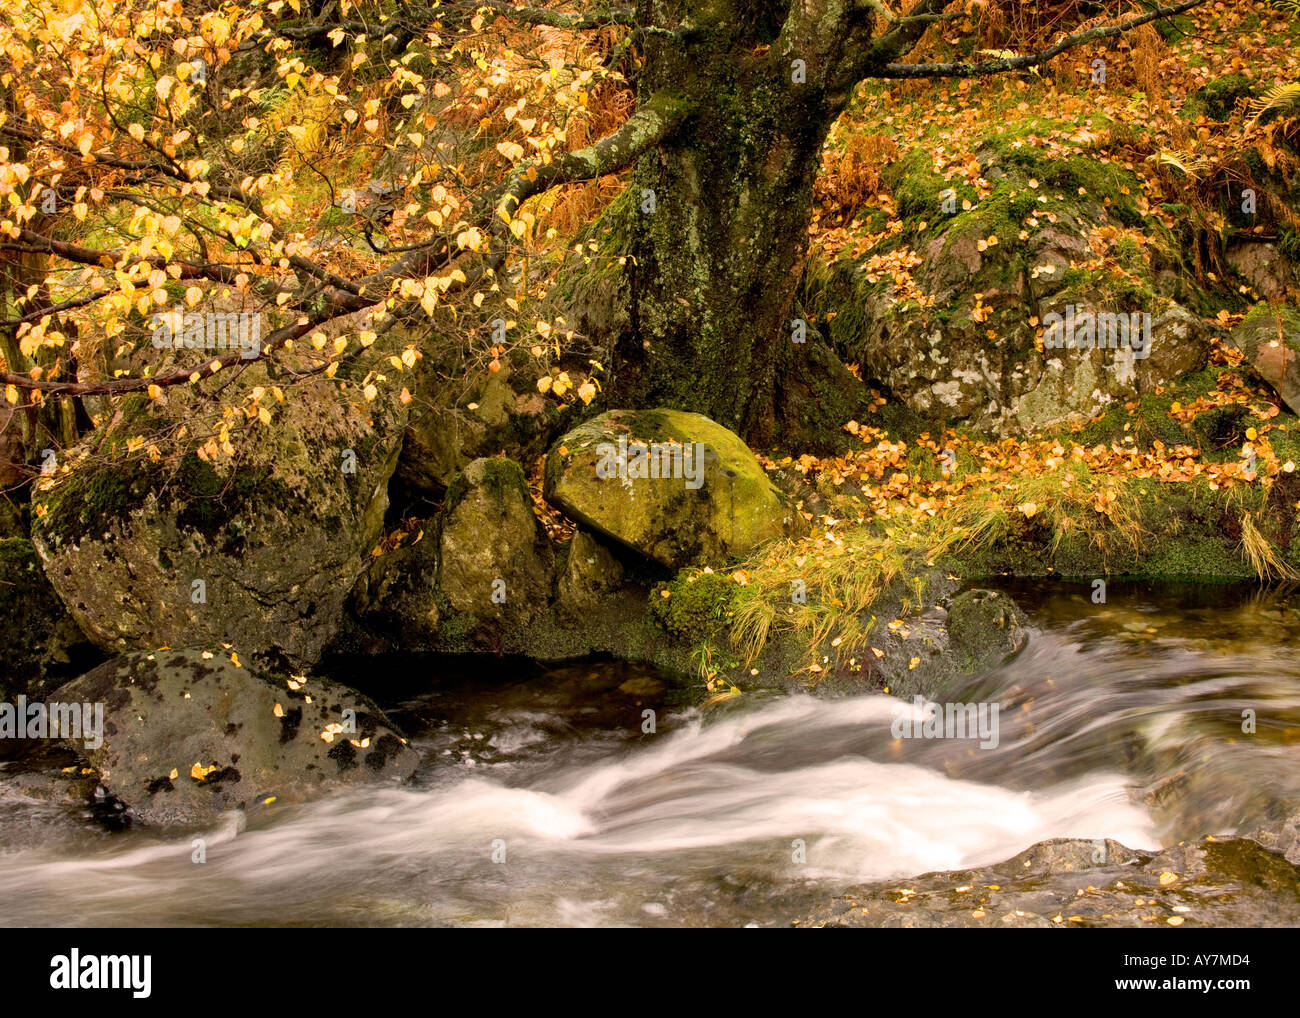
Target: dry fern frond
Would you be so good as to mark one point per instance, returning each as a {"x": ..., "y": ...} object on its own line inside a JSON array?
[{"x": 1281, "y": 99}]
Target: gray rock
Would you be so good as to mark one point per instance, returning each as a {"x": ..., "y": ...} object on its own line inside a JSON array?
[
  {"x": 1269, "y": 336},
  {"x": 190, "y": 734},
  {"x": 258, "y": 545},
  {"x": 591, "y": 571}
]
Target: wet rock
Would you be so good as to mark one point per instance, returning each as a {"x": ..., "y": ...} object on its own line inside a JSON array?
[
  {"x": 1281, "y": 836},
  {"x": 986, "y": 627},
  {"x": 188, "y": 735},
  {"x": 708, "y": 504},
  {"x": 43, "y": 645},
  {"x": 1077, "y": 883}
]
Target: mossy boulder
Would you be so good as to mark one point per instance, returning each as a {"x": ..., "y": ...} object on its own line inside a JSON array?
[
  {"x": 591, "y": 571},
  {"x": 952, "y": 317},
  {"x": 1269, "y": 336},
  {"x": 397, "y": 599},
  {"x": 676, "y": 487},
  {"x": 253, "y": 537},
  {"x": 986, "y": 627},
  {"x": 43, "y": 645},
  {"x": 188, "y": 735},
  {"x": 496, "y": 564}
]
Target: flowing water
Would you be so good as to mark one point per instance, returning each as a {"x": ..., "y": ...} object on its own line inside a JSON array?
[{"x": 542, "y": 801}]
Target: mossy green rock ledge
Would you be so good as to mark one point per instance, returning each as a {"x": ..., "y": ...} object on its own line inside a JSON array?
[{"x": 715, "y": 504}]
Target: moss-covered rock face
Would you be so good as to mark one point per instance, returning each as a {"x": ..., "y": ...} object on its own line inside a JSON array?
[
  {"x": 188, "y": 735},
  {"x": 42, "y": 642},
  {"x": 496, "y": 564},
  {"x": 674, "y": 486},
  {"x": 966, "y": 337},
  {"x": 1270, "y": 338},
  {"x": 255, "y": 546}
]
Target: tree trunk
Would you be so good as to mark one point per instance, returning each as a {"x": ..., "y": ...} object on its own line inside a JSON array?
[{"x": 719, "y": 234}]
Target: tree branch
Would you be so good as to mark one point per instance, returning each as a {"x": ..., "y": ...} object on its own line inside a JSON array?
[
  {"x": 554, "y": 19},
  {"x": 1001, "y": 66},
  {"x": 646, "y": 128}
]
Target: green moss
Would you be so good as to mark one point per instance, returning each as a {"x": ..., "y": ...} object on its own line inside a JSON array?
[
  {"x": 86, "y": 501},
  {"x": 696, "y": 606},
  {"x": 919, "y": 191},
  {"x": 1220, "y": 97},
  {"x": 502, "y": 478},
  {"x": 1176, "y": 29}
]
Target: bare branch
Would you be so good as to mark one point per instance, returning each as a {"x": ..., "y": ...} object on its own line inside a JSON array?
[
  {"x": 1001, "y": 66},
  {"x": 555, "y": 19}
]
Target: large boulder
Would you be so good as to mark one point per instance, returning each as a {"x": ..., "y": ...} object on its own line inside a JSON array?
[
  {"x": 674, "y": 486},
  {"x": 473, "y": 578},
  {"x": 1269, "y": 336},
  {"x": 952, "y": 312},
  {"x": 253, "y": 537},
  {"x": 188, "y": 735}
]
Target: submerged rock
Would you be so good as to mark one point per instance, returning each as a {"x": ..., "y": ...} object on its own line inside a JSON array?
[
  {"x": 674, "y": 486},
  {"x": 189, "y": 734},
  {"x": 1074, "y": 883},
  {"x": 985, "y": 628}
]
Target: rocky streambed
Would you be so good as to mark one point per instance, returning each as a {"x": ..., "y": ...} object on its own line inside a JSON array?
[{"x": 606, "y": 793}]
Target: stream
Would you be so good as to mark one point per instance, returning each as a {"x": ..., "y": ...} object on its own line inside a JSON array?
[{"x": 542, "y": 801}]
